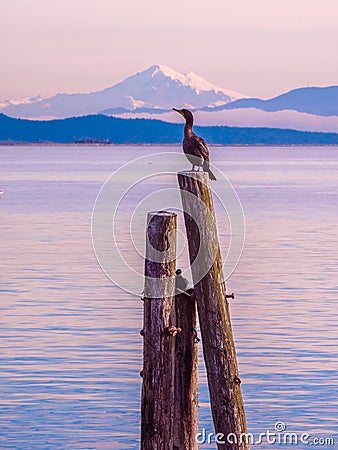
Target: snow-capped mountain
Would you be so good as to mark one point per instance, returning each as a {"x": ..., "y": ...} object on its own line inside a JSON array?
[
  {"x": 157, "y": 88},
  {"x": 153, "y": 92}
]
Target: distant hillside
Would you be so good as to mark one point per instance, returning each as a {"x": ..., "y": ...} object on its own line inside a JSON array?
[
  {"x": 144, "y": 131},
  {"x": 321, "y": 101}
]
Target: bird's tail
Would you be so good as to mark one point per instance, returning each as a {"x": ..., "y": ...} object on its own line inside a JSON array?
[{"x": 206, "y": 168}]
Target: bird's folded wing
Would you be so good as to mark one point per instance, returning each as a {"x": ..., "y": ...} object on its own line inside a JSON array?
[{"x": 201, "y": 147}]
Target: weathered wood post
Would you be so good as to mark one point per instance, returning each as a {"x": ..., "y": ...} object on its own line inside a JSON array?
[
  {"x": 213, "y": 310},
  {"x": 186, "y": 378},
  {"x": 157, "y": 404}
]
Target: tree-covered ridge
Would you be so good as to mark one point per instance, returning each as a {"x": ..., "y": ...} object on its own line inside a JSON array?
[{"x": 145, "y": 131}]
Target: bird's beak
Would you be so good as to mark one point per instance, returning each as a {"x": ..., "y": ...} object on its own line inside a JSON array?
[{"x": 179, "y": 111}]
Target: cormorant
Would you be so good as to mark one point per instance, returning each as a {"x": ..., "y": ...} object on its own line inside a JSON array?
[
  {"x": 182, "y": 283},
  {"x": 194, "y": 147}
]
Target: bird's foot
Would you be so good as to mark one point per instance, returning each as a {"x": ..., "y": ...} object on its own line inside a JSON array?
[{"x": 194, "y": 168}]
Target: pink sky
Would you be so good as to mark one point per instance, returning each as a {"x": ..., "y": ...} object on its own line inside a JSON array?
[{"x": 257, "y": 47}]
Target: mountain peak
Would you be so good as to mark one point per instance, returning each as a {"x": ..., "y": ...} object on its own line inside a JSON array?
[
  {"x": 190, "y": 80},
  {"x": 159, "y": 87},
  {"x": 161, "y": 68}
]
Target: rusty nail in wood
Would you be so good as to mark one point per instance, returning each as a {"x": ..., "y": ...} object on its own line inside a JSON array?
[
  {"x": 196, "y": 338},
  {"x": 237, "y": 380},
  {"x": 172, "y": 330}
]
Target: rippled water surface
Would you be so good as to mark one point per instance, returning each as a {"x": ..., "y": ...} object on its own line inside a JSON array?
[{"x": 71, "y": 352}]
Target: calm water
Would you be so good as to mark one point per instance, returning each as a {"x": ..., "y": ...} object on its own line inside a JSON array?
[{"x": 71, "y": 352}]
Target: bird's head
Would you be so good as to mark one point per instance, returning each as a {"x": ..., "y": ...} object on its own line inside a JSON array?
[
  {"x": 178, "y": 272},
  {"x": 189, "y": 118}
]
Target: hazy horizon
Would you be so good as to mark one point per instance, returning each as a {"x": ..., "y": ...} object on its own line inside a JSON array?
[{"x": 247, "y": 46}]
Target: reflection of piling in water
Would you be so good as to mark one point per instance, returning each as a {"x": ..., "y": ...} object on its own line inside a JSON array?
[{"x": 169, "y": 411}]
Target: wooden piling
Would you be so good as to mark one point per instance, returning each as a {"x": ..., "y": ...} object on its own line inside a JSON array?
[
  {"x": 186, "y": 378},
  {"x": 213, "y": 310},
  {"x": 157, "y": 404}
]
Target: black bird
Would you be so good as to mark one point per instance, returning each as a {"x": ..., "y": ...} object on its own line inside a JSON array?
[
  {"x": 194, "y": 147},
  {"x": 182, "y": 283}
]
